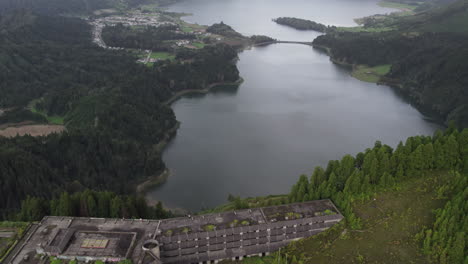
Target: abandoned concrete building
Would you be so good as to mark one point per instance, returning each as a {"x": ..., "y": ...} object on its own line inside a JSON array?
[{"x": 193, "y": 239}]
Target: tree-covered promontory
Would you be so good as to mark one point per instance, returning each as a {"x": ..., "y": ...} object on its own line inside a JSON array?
[{"x": 302, "y": 24}]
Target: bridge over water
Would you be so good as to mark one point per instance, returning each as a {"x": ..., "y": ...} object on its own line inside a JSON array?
[{"x": 283, "y": 41}]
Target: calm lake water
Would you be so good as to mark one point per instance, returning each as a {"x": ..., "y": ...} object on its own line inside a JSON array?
[{"x": 295, "y": 110}]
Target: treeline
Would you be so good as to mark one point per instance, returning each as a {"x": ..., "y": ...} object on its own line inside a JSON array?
[
  {"x": 446, "y": 241},
  {"x": 90, "y": 204},
  {"x": 152, "y": 38},
  {"x": 382, "y": 167},
  {"x": 114, "y": 109},
  {"x": 302, "y": 24},
  {"x": 427, "y": 67}
]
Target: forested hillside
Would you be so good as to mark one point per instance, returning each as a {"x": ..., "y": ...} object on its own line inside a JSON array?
[
  {"x": 426, "y": 52},
  {"x": 402, "y": 205},
  {"x": 113, "y": 108},
  {"x": 56, "y": 7},
  {"x": 357, "y": 179},
  {"x": 89, "y": 203},
  {"x": 152, "y": 38}
]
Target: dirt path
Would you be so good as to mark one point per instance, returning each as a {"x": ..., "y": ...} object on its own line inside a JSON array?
[{"x": 33, "y": 130}]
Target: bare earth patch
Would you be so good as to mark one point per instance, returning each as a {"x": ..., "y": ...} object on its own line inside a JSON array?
[{"x": 33, "y": 130}]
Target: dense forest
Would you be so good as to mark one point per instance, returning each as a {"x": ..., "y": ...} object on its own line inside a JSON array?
[
  {"x": 90, "y": 204},
  {"x": 113, "y": 108},
  {"x": 302, "y": 24},
  {"x": 148, "y": 38},
  {"x": 359, "y": 177},
  {"x": 426, "y": 52}
]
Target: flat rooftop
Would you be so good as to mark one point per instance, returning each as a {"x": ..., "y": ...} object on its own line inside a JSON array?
[{"x": 115, "y": 239}]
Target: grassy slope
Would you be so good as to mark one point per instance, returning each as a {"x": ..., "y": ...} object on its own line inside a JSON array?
[
  {"x": 390, "y": 224},
  {"x": 400, "y": 6},
  {"x": 162, "y": 56},
  {"x": 370, "y": 74}
]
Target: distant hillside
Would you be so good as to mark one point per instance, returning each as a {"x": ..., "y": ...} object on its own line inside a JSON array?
[
  {"x": 422, "y": 5},
  {"x": 51, "y": 7},
  {"x": 428, "y": 53},
  {"x": 452, "y": 17}
]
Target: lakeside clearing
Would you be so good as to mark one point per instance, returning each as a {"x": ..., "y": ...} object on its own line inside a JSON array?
[{"x": 370, "y": 74}]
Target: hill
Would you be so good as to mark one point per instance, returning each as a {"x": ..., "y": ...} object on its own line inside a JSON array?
[
  {"x": 402, "y": 205},
  {"x": 427, "y": 53},
  {"x": 452, "y": 17},
  {"x": 113, "y": 108}
]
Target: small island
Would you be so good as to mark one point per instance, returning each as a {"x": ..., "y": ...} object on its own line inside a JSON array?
[{"x": 302, "y": 24}]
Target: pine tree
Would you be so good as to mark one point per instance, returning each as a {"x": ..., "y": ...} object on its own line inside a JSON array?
[
  {"x": 116, "y": 207},
  {"x": 427, "y": 242},
  {"x": 439, "y": 156},
  {"x": 103, "y": 201},
  {"x": 387, "y": 180},
  {"x": 346, "y": 168},
  {"x": 400, "y": 172},
  {"x": 416, "y": 162},
  {"x": 315, "y": 180},
  {"x": 368, "y": 161},
  {"x": 384, "y": 164},
  {"x": 365, "y": 185},
  {"x": 65, "y": 206},
  {"x": 456, "y": 253},
  {"x": 92, "y": 206},
  {"x": 452, "y": 152},
  {"x": 293, "y": 194},
  {"x": 332, "y": 184},
  {"x": 428, "y": 156},
  {"x": 374, "y": 170}
]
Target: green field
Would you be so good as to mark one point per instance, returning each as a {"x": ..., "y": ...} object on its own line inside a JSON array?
[
  {"x": 162, "y": 56},
  {"x": 391, "y": 221},
  {"x": 399, "y": 6},
  {"x": 370, "y": 74},
  {"x": 186, "y": 28},
  {"x": 199, "y": 45},
  {"x": 365, "y": 29},
  {"x": 55, "y": 120}
]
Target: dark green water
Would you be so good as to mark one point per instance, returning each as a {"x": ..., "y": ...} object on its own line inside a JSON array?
[{"x": 295, "y": 110}]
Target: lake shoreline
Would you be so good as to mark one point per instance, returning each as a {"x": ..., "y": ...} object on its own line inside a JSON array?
[
  {"x": 394, "y": 84},
  {"x": 154, "y": 181}
]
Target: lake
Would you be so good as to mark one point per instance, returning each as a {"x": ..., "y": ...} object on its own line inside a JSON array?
[{"x": 294, "y": 111}]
